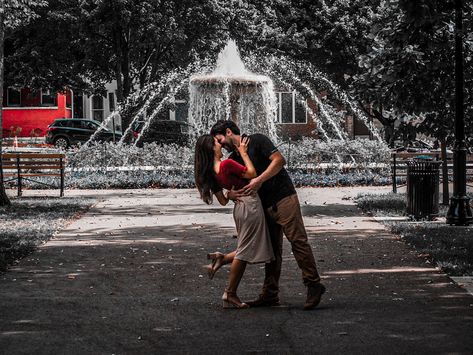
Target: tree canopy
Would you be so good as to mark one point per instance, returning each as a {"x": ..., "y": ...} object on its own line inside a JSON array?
[{"x": 394, "y": 57}]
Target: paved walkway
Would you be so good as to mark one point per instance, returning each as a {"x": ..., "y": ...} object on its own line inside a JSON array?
[{"x": 127, "y": 279}]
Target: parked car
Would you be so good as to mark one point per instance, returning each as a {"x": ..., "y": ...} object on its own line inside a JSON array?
[
  {"x": 162, "y": 132},
  {"x": 65, "y": 132},
  {"x": 415, "y": 145}
]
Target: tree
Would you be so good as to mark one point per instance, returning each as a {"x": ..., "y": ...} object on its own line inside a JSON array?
[
  {"x": 410, "y": 66},
  {"x": 331, "y": 36},
  {"x": 46, "y": 52},
  {"x": 89, "y": 43},
  {"x": 13, "y": 14},
  {"x": 136, "y": 42}
]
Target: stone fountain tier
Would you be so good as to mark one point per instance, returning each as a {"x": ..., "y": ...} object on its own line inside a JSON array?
[{"x": 232, "y": 80}]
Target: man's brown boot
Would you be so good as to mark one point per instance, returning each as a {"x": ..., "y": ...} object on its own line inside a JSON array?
[
  {"x": 314, "y": 294},
  {"x": 264, "y": 301}
]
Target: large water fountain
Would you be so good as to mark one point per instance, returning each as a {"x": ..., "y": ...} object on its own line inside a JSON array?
[
  {"x": 232, "y": 92},
  {"x": 228, "y": 90}
]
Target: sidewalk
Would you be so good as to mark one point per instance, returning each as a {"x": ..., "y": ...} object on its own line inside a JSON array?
[{"x": 127, "y": 279}]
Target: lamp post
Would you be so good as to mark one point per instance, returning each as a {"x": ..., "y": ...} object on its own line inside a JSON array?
[{"x": 459, "y": 212}]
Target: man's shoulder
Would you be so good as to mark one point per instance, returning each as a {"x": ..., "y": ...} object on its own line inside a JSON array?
[
  {"x": 258, "y": 136},
  {"x": 263, "y": 142}
]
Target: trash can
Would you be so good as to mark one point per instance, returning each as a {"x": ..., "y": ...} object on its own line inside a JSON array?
[{"x": 423, "y": 187}]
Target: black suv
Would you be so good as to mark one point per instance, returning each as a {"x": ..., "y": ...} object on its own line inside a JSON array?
[
  {"x": 162, "y": 132},
  {"x": 69, "y": 131}
]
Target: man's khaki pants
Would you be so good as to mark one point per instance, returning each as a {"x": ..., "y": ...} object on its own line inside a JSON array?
[{"x": 286, "y": 217}]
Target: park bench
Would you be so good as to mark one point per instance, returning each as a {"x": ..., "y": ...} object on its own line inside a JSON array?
[
  {"x": 399, "y": 165},
  {"x": 21, "y": 166}
]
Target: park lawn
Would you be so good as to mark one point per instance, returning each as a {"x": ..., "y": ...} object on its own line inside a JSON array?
[
  {"x": 29, "y": 222},
  {"x": 449, "y": 247}
]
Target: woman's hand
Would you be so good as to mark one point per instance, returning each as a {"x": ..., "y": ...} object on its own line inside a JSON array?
[{"x": 243, "y": 147}]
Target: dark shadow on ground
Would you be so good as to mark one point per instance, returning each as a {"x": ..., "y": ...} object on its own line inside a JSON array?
[{"x": 145, "y": 292}]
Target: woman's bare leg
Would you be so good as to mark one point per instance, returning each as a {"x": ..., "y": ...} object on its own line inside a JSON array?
[
  {"x": 219, "y": 260},
  {"x": 230, "y": 298}
]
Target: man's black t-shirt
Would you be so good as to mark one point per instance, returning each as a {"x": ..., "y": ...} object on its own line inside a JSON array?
[{"x": 280, "y": 185}]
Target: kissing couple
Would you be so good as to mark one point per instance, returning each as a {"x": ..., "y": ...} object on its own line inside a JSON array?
[{"x": 266, "y": 206}]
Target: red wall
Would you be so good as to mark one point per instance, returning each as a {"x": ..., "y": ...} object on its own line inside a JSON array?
[{"x": 33, "y": 118}]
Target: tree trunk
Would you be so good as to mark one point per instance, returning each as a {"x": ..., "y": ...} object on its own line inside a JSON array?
[
  {"x": 445, "y": 192},
  {"x": 387, "y": 123},
  {"x": 118, "y": 78},
  {"x": 123, "y": 62},
  {"x": 4, "y": 200},
  {"x": 125, "y": 69}
]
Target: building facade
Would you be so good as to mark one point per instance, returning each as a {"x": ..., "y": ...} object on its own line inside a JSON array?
[{"x": 27, "y": 113}]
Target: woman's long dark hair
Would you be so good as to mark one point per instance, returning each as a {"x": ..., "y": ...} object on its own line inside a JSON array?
[{"x": 203, "y": 167}]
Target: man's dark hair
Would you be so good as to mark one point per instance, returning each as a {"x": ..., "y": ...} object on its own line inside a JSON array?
[{"x": 220, "y": 127}]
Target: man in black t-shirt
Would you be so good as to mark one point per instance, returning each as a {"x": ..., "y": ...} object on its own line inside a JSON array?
[{"x": 282, "y": 212}]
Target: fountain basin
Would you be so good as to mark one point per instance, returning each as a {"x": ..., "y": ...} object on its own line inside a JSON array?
[{"x": 221, "y": 80}]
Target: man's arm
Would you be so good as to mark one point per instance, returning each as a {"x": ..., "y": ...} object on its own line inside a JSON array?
[{"x": 277, "y": 163}]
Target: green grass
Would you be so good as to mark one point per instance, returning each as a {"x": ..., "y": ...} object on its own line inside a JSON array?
[
  {"x": 28, "y": 222},
  {"x": 449, "y": 247}
]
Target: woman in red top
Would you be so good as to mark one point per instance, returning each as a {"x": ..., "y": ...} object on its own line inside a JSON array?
[{"x": 212, "y": 175}]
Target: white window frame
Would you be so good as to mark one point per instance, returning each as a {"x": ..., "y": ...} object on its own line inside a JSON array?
[
  {"x": 279, "y": 110},
  {"x": 92, "y": 109},
  {"x": 47, "y": 92}
]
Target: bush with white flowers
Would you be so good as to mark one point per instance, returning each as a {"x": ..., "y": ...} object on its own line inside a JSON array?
[{"x": 310, "y": 162}]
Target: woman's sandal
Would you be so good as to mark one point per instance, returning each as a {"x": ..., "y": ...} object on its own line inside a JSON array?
[
  {"x": 231, "y": 300},
  {"x": 217, "y": 263}
]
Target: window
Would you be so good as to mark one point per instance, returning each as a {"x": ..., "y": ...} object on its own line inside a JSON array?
[
  {"x": 30, "y": 97},
  {"x": 68, "y": 94},
  {"x": 78, "y": 107},
  {"x": 97, "y": 108},
  {"x": 13, "y": 97},
  {"x": 289, "y": 108},
  {"x": 88, "y": 125},
  {"x": 111, "y": 101},
  {"x": 181, "y": 111},
  {"x": 48, "y": 98}
]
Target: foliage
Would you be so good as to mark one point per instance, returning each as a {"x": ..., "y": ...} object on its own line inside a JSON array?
[
  {"x": 385, "y": 204},
  {"x": 450, "y": 247},
  {"x": 13, "y": 14},
  {"x": 327, "y": 34},
  {"x": 359, "y": 153},
  {"x": 395, "y": 57},
  {"x": 28, "y": 222},
  {"x": 310, "y": 163},
  {"x": 410, "y": 65},
  {"x": 17, "y": 13},
  {"x": 133, "y": 42},
  {"x": 105, "y": 155}
]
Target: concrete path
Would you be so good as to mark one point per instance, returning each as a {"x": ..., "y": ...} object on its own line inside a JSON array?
[{"x": 127, "y": 279}]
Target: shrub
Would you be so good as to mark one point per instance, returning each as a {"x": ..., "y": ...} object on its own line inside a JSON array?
[{"x": 310, "y": 163}]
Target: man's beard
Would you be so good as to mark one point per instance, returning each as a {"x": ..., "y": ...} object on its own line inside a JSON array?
[{"x": 230, "y": 148}]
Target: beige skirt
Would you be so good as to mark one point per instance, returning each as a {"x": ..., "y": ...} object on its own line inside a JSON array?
[{"x": 254, "y": 243}]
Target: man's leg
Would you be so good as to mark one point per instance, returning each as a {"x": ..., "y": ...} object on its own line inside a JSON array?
[{"x": 289, "y": 216}]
